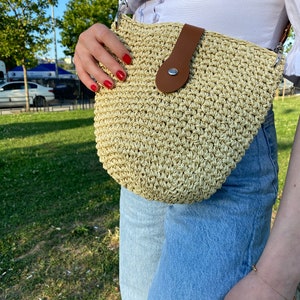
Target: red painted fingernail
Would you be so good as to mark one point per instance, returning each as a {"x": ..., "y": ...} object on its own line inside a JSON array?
[
  {"x": 94, "y": 87},
  {"x": 108, "y": 84},
  {"x": 127, "y": 59},
  {"x": 121, "y": 75}
]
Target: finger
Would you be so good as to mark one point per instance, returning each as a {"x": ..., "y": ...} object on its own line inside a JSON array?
[
  {"x": 107, "y": 61},
  {"x": 90, "y": 49},
  {"x": 108, "y": 38},
  {"x": 102, "y": 47},
  {"x": 86, "y": 78}
]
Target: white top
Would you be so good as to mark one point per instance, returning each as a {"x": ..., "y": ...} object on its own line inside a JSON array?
[{"x": 259, "y": 21}]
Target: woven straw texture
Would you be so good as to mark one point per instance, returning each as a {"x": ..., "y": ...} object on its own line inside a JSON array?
[{"x": 180, "y": 147}]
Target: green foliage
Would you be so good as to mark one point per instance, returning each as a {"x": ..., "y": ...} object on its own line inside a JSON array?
[
  {"x": 81, "y": 14},
  {"x": 23, "y": 29}
]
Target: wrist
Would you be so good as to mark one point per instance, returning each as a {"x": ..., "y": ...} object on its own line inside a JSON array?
[
  {"x": 275, "y": 289},
  {"x": 280, "y": 260},
  {"x": 277, "y": 276}
]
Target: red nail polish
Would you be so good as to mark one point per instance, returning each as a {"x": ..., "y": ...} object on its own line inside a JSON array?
[
  {"x": 94, "y": 87},
  {"x": 127, "y": 59},
  {"x": 108, "y": 84},
  {"x": 121, "y": 75}
]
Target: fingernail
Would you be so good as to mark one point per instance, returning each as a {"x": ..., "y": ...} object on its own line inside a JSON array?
[
  {"x": 108, "y": 84},
  {"x": 127, "y": 59},
  {"x": 94, "y": 87},
  {"x": 121, "y": 75}
]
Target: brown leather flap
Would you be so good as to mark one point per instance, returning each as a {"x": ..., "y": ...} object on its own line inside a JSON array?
[{"x": 174, "y": 72}]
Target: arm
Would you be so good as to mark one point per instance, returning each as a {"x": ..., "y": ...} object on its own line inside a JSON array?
[
  {"x": 278, "y": 269},
  {"x": 98, "y": 44}
]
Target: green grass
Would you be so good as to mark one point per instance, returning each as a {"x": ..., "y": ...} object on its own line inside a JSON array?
[
  {"x": 59, "y": 208},
  {"x": 287, "y": 112}
]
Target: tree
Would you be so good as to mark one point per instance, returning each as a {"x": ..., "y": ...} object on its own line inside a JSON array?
[
  {"x": 24, "y": 26},
  {"x": 81, "y": 14}
]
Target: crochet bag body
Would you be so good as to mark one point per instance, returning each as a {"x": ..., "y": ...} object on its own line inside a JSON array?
[{"x": 180, "y": 146}]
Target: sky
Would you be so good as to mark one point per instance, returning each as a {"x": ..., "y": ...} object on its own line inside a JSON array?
[{"x": 58, "y": 13}]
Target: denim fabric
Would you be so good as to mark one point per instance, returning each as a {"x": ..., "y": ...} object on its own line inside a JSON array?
[
  {"x": 141, "y": 240},
  {"x": 199, "y": 251}
]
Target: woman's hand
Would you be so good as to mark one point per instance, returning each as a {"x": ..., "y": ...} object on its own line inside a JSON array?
[
  {"x": 253, "y": 287},
  {"x": 97, "y": 44}
]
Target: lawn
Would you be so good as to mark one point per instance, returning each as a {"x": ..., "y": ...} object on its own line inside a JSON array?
[
  {"x": 287, "y": 112},
  {"x": 59, "y": 208}
]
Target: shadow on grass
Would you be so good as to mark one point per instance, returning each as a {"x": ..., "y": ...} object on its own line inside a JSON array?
[
  {"x": 26, "y": 129},
  {"x": 282, "y": 146},
  {"x": 289, "y": 111}
]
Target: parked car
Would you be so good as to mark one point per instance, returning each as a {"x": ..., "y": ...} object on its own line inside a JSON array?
[
  {"x": 65, "y": 92},
  {"x": 12, "y": 94},
  {"x": 286, "y": 86}
]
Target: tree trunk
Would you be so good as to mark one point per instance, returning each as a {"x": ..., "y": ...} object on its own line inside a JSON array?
[{"x": 27, "y": 108}]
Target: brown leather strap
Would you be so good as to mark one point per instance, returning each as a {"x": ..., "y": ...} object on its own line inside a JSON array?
[
  {"x": 174, "y": 72},
  {"x": 285, "y": 33}
]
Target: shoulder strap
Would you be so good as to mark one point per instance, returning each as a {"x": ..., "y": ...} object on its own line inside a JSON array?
[{"x": 285, "y": 33}]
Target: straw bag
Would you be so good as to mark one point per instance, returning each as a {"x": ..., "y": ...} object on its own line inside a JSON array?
[{"x": 191, "y": 105}]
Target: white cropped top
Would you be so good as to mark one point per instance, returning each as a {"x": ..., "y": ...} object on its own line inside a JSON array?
[{"x": 259, "y": 21}]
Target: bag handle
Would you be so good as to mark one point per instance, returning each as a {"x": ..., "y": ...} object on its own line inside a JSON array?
[{"x": 285, "y": 33}]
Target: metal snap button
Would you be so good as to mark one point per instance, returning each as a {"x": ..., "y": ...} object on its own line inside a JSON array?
[{"x": 173, "y": 71}]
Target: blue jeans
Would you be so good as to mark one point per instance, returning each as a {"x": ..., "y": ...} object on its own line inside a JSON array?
[{"x": 200, "y": 250}]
